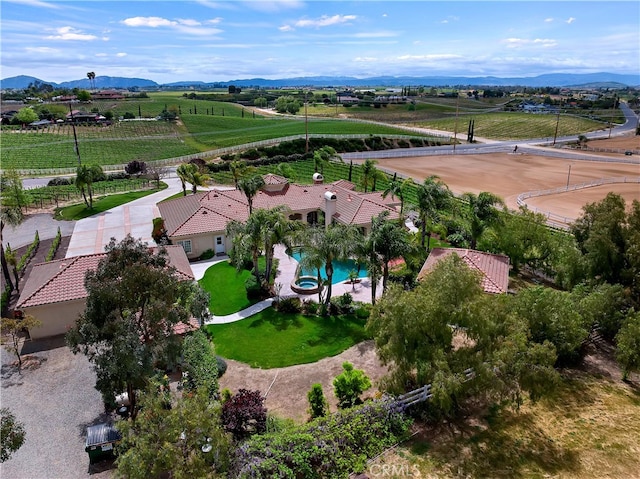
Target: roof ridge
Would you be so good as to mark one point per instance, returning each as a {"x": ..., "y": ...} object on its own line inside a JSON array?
[{"x": 72, "y": 260}]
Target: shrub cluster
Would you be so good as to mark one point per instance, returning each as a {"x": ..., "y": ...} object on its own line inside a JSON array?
[
  {"x": 328, "y": 447},
  {"x": 31, "y": 250},
  {"x": 54, "y": 246}
]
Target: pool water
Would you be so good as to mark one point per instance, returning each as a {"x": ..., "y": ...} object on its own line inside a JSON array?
[{"x": 340, "y": 270}]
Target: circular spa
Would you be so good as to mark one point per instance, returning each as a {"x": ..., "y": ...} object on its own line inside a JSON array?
[{"x": 305, "y": 285}]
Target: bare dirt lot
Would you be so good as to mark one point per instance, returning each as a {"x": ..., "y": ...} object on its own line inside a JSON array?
[
  {"x": 509, "y": 175},
  {"x": 288, "y": 387}
]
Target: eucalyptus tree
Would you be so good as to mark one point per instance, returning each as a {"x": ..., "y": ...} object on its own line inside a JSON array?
[
  {"x": 322, "y": 246},
  {"x": 482, "y": 213},
  {"x": 433, "y": 196},
  {"x": 250, "y": 187}
]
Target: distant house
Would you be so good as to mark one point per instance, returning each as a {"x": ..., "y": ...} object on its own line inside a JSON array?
[
  {"x": 198, "y": 222},
  {"x": 494, "y": 268},
  {"x": 107, "y": 95},
  {"x": 36, "y": 125},
  {"x": 77, "y": 116},
  {"x": 346, "y": 98},
  {"x": 55, "y": 293}
]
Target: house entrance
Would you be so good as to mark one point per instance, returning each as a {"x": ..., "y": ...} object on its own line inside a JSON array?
[{"x": 220, "y": 245}]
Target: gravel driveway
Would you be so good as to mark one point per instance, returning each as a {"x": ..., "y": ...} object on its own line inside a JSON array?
[{"x": 55, "y": 399}]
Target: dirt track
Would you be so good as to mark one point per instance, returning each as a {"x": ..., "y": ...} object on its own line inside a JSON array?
[{"x": 508, "y": 175}]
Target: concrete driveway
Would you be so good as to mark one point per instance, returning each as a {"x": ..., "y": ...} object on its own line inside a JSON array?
[{"x": 91, "y": 235}]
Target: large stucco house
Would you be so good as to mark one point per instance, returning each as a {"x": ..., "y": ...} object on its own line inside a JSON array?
[
  {"x": 55, "y": 293},
  {"x": 198, "y": 222}
]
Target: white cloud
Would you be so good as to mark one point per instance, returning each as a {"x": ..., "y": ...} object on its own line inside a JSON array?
[
  {"x": 47, "y": 50},
  {"x": 70, "y": 33},
  {"x": 153, "y": 22},
  {"x": 522, "y": 42},
  {"x": 121, "y": 54},
  {"x": 432, "y": 57},
  {"x": 570, "y": 20},
  {"x": 183, "y": 25},
  {"x": 325, "y": 21},
  {"x": 548, "y": 20},
  {"x": 286, "y": 28},
  {"x": 35, "y": 3},
  {"x": 101, "y": 55},
  {"x": 365, "y": 59}
]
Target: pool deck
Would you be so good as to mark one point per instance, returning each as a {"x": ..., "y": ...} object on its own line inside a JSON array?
[{"x": 286, "y": 274}]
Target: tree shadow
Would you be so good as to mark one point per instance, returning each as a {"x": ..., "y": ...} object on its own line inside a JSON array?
[
  {"x": 512, "y": 447},
  {"x": 44, "y": 344}
]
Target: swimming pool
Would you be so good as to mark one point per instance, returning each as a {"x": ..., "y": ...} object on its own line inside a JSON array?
[{"x": 341, "y": 270}]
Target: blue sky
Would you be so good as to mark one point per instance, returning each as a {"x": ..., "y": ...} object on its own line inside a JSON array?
[{"x": 169, "y": 41}]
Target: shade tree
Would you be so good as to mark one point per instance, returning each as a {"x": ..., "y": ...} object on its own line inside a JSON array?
[{"x": 134, "y": 301}]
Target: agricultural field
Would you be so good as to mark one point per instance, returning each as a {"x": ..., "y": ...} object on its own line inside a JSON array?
[
  {"x": 203, "y": 126},
  {"x": 516, "y": 126}
]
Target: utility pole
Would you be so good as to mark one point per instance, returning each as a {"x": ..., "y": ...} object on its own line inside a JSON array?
[
  {"x": 555, "y": 135},
  {"x": 75, "y": 137},
  {"x": 455, "y": 130},
  {"x": 306, "y": 124}
]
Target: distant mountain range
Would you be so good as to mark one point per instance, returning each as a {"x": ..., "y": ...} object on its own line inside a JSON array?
[{"x": 603, "y": 80}]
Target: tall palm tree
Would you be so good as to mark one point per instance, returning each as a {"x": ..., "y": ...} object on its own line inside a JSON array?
[
  {"x": 198, "y": 179},
  {"x": 238, "y": 169},
  {"x": 322, "y": 156},
  {"x": 12, "y": 199},
  {"x": 369, "y": 174},
  {"x": 367, "y": 255},
  {"x": 321, "y": 246},
  {"x": 389, "y": 241},
  {"x": 247, "y": 242},
  {"x": 433, "y": 195},
  {"x": 481, "y": 213},
  {"x": 277, "y": 228},
  {"x": 398, "y": 188},
  {"x": 185, "y": 171},
  {"x": 250, "y": 187},
  {"x": 86, "y": 175}
]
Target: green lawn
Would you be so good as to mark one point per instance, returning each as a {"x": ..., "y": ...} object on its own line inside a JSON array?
[
  {"x": 80, "y": 210},
  {"x": 272, "y": 340},
  {"x": 226, "y": 286}
]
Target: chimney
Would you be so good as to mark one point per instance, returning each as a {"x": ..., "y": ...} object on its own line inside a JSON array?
[
  {"x": 330, "y": 199},
  {"x": 318, "y": 179}
]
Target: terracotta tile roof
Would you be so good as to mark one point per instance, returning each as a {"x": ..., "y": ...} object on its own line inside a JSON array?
[
  {"x": 183, "y": 328},
  {"x": 210, "y": 212},
  {"x": 63, "y": 280},
  {"x": 493, "y": 267}
]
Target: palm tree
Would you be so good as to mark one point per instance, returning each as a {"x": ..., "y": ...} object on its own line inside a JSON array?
[
  {"x": 86, "y": 175},
  {"x": 238, "y": 169},
  {"x": 286, "y": 170},
  {"x": 185, "y": 171},
  {"x": 247, "y": 242},
  {"x": 398, "y": 188},
  {"x": 322, "y": 156},
  {"x": 321, "y": 246},
  {"x": 277, "y": 228},
  {"x": 13, "y": 198},
  {"x": 481, "y": 213},
  {"x": 250, "y": 187},
  {"x": 367, "y": 255},
  {"x": 433, "y": 195},
  {"x": 198, "y": 179},
  {"x": 369, "y": 174},
  {"x": 91, "y": 76},
  {"x": 389, "y": 241}
]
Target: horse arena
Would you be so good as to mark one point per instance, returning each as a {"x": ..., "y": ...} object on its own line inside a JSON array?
[{"x": 509, "y": 175}]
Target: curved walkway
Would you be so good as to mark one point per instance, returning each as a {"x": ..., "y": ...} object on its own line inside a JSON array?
[{"x": 286, "y": 274}]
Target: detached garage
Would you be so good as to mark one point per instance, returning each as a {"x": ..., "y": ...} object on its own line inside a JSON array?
[{"x": 55, "y": 294}]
